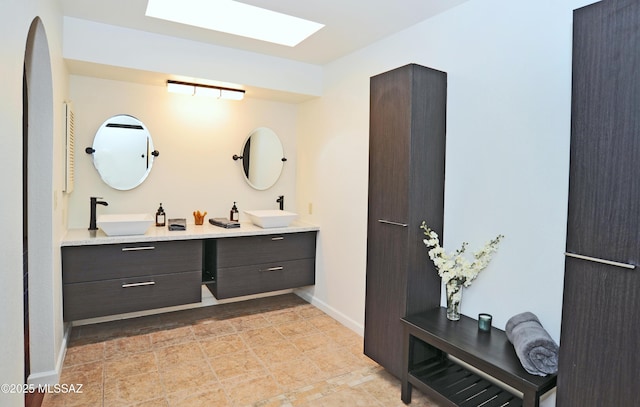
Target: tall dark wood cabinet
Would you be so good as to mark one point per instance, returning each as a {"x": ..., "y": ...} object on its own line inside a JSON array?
[
  {"x": 599, "y": 363},
  {"x": 406, "y": 186}
]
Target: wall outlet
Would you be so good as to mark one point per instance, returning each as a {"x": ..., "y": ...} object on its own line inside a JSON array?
[{"x": 310, "y": 208}]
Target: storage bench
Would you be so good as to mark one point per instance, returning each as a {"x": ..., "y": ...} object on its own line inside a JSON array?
[{"x": 429, "y": 338}]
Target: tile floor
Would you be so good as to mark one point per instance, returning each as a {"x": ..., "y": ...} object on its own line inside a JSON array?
[{"x": 275, "y": 351}]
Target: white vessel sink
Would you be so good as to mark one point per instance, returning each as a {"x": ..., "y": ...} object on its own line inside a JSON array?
[
  {"x": 125, "y": 224},
  {"x": 271, "y": 218}
]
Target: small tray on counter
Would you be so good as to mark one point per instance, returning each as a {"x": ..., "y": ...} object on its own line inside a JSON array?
[{"x": 224, "y": 223}]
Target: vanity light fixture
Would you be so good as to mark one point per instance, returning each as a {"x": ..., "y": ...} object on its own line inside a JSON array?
[
  {"x": 195, "y": 89},
  {"x": 234, "y": 17}
]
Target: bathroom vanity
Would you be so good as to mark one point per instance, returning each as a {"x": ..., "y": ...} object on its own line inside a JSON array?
[
  {"x": 256, "y": 264},
  {"x": 107, "y": 275}
]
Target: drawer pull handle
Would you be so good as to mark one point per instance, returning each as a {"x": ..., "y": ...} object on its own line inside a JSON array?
[
  {"x": 388, "y": 222},
  {"x": 273, "y": 269},
  {"x": 278, "y": 238},
  {"x": 138, "y": 284},
  {"x": 135, "y": 249},
  {"x": 602, "y": 261}
]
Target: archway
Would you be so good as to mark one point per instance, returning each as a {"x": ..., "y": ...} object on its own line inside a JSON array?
[{"x": 38, "y": 135}]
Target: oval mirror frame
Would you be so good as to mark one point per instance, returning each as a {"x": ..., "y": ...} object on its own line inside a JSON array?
[
  {"x": 123, "y": 152},
  {"x": 262, "y": 158}
]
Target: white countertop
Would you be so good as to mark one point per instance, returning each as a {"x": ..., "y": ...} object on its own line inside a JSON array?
[{"x": 84, "y": 237}]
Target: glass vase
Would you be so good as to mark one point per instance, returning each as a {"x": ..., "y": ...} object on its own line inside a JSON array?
[{"x": 454, "y": 297}]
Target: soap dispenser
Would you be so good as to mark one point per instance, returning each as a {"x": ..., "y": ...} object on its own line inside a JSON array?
[
  {"x": 160, "y": 216},
  {"x": 234, "y": 215}
]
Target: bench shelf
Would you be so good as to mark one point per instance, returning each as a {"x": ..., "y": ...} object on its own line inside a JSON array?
[{"x": 430, "y": 338}]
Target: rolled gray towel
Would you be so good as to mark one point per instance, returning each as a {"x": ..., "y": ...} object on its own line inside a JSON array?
[{"x": 536, "y": 350}]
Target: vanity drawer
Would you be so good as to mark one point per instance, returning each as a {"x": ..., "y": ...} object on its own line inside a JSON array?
[
  {"x": 117, "y": 296},
  {"x": 104, "y": 262},
  {"x": 239, "y": 251},
  {"x": 254, "y": 279}
]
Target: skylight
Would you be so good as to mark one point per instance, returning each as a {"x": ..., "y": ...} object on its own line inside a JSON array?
[{"x": 235, "y": 18}]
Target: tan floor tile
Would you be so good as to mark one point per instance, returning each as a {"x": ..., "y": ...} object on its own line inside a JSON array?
[
  {"x": 209, "y": 396},
  {"x": 54, "y": 400},
  {"x": 246, "y": 323},
  {"x": 386, "y": 389},
  {"x": 131, "y": 365},
  {"x": 282, "y": 316},
  {"x": 157, "y": 402},
  {"x": 88, "y": 374},
  {"x": 222, "y": 345},
  {"x": 212, "y": 328},
  {"x": 324, "y": 322},
  {"x": 84, "y": 353},
  {"x": 268, "y": 352},
  {"x": 90, "y": 396},
  {"x": 127, "y": 345},
  {"x": 344, "y": 336},
  {"x": 174, "y": 355},
  {"x": 277, "y": 352},
  {"x": 133, "y": 389},
  {"x": 188, "y": 377},
  {"x": 347, "y": 397},
  {"x": 301, "y": 396},
  {"x": 277, "y": 401},
  {"x": 309, "y": 311},
  {"x": 335, "y": 363},
  {"x": 297, "y": 374},
  {"x": 382, "y": 386},
  {"x": 235, "y": 364},
  {"x": 315, "y": 341},
  {"x": 171, "y": 337},
  {"x": 252, "y": 391},
  {"x": 296, "y": 329},
  {"x": 261, "y": 336}
]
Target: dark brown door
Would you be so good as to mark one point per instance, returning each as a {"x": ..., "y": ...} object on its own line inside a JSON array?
[
  {"x": 600, "y": 337},
  {"x": 388, "y": 210},
  {"x": 406, "y": 186}
]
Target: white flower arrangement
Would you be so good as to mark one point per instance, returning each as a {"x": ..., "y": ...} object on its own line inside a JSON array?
[{"x": 455, "y": 266}]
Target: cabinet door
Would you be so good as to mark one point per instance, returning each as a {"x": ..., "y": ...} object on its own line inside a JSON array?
[
  {"x": 604, "y": 187},
  {"x": 108, "y": 261},
  {"x": 599, "y": 363},
  {"x": 385, "y": 295},
  {"x": 390, "y": 134},
  {"x": 117, "y": 296},
  {"x": 245, "y": 250},
  {"x": 389, "y": 137},
  {"x": 406, "y": 186},
  {"x": 261, "y": 278}
]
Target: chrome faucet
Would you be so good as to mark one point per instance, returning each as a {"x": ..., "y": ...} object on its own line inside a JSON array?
[
  {"x": 94, "y": 202},
  {"x": 280, "y": 200}
]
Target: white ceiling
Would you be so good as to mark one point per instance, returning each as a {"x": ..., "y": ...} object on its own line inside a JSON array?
[{"x": 349, "y": 24}]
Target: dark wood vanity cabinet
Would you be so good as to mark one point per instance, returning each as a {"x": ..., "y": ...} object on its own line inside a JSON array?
[
  {"x": 406, "y": 186},
  {"x": 598, "y": 363},
  {"x": 100, "y": 280},
  {"x": 238, "y": 266}
]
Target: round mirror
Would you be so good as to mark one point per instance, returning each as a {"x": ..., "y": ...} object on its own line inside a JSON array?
[
  {"x": 123, "y": 152},
  {"x": 262, "y": 158}
]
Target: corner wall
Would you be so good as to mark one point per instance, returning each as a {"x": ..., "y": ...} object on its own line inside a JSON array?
[
  {"x": 508, "y": 128},
  {"x": 14, "y": 29}
]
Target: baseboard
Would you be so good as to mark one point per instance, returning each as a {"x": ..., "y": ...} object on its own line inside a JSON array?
[
  {"x": 332, "y": 312},
  {"x": 53, "y": 376}
]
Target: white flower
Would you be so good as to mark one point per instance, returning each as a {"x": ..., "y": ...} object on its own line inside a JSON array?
[{"x": 455, "y": 265}]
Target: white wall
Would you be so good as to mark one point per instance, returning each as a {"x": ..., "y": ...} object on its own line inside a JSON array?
[
  {"x": 508, "y": 126},
  {"x": 196, "y": 138},
  {"x": 14, "y": 29},
  {"x": 507, "y": 155},
  {"x": 123, "y": 47}
]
